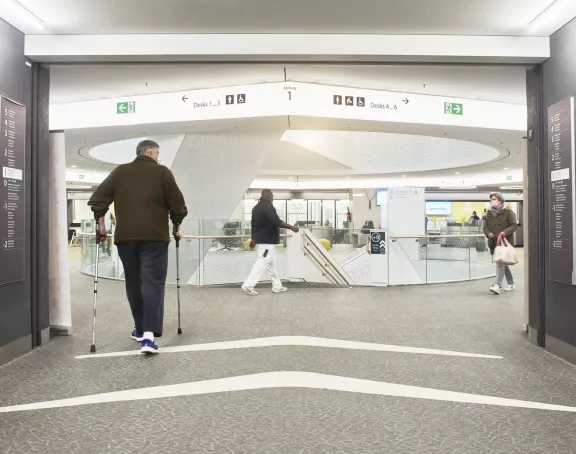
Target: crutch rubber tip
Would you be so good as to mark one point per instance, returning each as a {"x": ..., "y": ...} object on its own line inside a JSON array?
[
  {"x": 93, "y": 349},
  {"x": 179, "y": 330}
]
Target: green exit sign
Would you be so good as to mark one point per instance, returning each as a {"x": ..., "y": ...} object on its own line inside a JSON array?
[
  {"x": 451, "y": 108},
  {"x": 126, "y": 107}
]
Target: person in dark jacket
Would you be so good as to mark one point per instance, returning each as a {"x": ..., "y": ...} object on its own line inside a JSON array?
[
  {"x": 474, "y": 219},
  {"x": 500, "y": 223},
  {"x": 145, "y": 196},
  {"x": 266, "y": 225}
]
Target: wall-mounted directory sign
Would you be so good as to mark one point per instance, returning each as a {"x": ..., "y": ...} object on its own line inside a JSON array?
[
  {"x": 12, "y": 155},
  {"x": 378, "y": 242},
  {"x": 561, "y": 150}
]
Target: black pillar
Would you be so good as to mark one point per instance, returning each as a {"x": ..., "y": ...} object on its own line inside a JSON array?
[{"x": 24, "y": 304}]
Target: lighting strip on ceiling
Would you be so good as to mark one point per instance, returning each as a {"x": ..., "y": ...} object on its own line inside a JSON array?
[
  {"x": 19, "y": 16},
  {"x": 553, "y": 17}
]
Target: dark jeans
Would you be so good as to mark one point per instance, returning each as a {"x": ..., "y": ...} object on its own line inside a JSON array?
[{"x": 145, "y": 267}]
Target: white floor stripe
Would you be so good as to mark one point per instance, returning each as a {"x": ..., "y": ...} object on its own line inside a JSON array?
[
  {"x": 295, "y": 341},
  {"x": 287, "y": 380}
]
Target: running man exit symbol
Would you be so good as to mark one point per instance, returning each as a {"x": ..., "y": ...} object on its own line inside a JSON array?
[
  {"x": 338, "y": 100},
  {"x": 451, "y": 108},
  {"x": 126, "y": 107},
  {"x": 230, "y": 99}
]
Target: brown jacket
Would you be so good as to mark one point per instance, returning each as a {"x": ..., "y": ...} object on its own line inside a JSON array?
[
  {"x": 145, "y": 194},
  {"x": 503, "y": 222}
]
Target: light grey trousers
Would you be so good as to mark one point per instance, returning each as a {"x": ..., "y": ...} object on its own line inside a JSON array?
[{"x": 502, "y": 271}]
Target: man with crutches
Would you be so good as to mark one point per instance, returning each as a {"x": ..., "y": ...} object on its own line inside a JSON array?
[{"x": 146, "y": 197}]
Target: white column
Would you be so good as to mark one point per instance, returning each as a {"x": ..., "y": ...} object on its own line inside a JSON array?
[
  {"x": 406, "y": 217},
  {"x": 59, "y": 272}
]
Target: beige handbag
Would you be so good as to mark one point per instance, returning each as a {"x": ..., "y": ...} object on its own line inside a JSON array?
[{"x": 505, "y": 253}]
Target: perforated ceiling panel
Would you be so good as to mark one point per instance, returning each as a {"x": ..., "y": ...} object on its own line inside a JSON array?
[
  {"x": 389, "y": 153},
  {"x": 374, "y": 152},
  {"x": 214, "y": 169}
]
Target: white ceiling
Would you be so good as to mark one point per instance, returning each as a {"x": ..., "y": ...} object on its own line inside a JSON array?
[
  {"x": 289, "y": 160},
  {"x": 70, "y": 83},
  {"x": 340, "y": 153},
  {"x": 466, "y": 17}
]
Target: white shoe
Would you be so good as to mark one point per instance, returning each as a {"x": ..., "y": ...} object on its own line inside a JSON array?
[
  {"x": 510, "y": 288},
  {"x": 249, "y": 291},
  {"x": 280, "y": 290},
  {"x": 495, "y": 289}
]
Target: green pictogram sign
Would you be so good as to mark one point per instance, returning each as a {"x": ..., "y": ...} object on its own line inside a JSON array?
[
  {"x": 451, "y": 108},
  {"x": 126, "y": 107}
]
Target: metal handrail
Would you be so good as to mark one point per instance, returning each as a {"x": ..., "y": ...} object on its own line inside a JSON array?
[
  {"x": 193, "y": 237},
  {"x": 323, "y": 267},
  {"x": 322, "y": 253},
  {"x": 439, "y": 236}
]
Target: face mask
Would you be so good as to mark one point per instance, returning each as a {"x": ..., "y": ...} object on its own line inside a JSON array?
[{"x": 495, "y": 203}]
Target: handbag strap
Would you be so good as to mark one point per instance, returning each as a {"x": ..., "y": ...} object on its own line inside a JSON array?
[{"x": 502, "y": 241}]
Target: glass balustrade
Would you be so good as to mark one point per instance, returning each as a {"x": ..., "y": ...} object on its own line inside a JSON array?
[
  {"x": 439, "y": 258},
  {"x": 217, "y": 252}
]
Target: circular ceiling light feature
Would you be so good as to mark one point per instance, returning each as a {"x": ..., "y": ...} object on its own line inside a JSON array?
[
  {"x": 389, "y": 153},
  {"x": 124, "y": 151}
]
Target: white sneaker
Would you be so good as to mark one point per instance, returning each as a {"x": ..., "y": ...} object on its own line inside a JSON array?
[
  {"x": 495, "y": 289},
  {"x": 249, "y": 291},
  {"x": 280, "y": 290},
  {"x": 510, "y": 288}
]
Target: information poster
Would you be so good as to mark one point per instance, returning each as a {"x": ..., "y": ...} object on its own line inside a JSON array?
[
  {"x": 12, "y": 226},
  {"x": 561, "y": 153},
  {"x": 378, "y": 243}
]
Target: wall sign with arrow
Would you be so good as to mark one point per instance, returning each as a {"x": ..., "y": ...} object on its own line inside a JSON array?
[
  {"x": 451, "y": 108},
  {"x": 126, "y": 107}
]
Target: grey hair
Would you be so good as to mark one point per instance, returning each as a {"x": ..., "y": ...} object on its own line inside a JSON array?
[
  {"x": 498, "y": 195},
  {"x": 144, "y": 146}
]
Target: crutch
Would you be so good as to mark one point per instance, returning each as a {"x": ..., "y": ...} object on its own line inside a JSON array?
[
  {"x": 177, "y": 239},
  {"x": 97, "y": 251}
]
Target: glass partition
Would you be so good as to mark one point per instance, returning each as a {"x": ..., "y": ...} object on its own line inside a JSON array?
[
  {"x": 439, "y": 258},
  {"x": 219, "y": 253}
]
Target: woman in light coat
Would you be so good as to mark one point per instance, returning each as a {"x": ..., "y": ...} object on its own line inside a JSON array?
[{"x": 500, "y": 223}]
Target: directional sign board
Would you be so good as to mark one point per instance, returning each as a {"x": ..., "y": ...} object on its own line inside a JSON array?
[
  {"x": 378, "y": 258},
  {"x": 451, "y": 108},
  {"x": 12, "y": 225},
  {"x": 293, "y": 99},
  {"x": 378, "y": 243},
  {"x": 127, "y": 107},
  {"x": 561, "y": 162}
]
